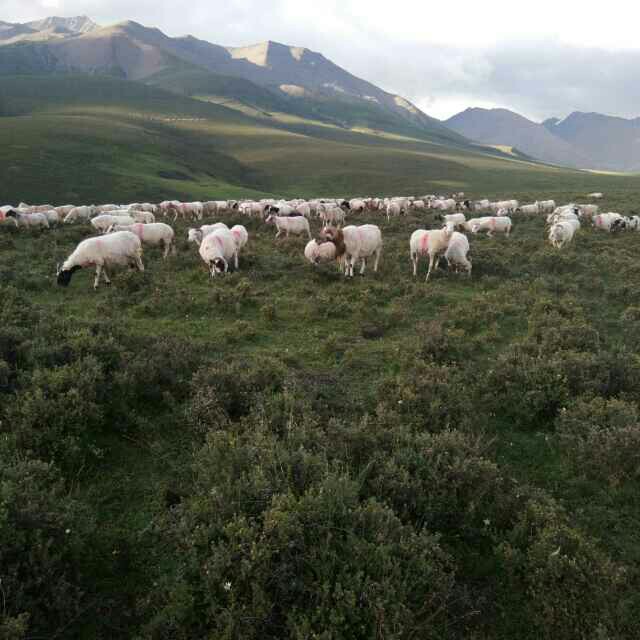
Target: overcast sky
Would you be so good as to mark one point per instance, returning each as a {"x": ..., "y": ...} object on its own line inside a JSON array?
[{"x": 542, "y": 59}]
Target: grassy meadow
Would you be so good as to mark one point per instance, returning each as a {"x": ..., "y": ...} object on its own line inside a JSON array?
[{"x": 282, "y": 453}]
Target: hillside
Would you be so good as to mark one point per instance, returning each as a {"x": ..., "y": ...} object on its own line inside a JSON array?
[
  {"x": 301, "y": 81},
  {"x": 504, "y": 127},
  {"x": 613, "y": 143},
  {"x": 89, "y": 136}
]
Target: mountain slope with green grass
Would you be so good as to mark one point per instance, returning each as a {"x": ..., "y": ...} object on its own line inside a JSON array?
[{"x": 85, "y": 138}]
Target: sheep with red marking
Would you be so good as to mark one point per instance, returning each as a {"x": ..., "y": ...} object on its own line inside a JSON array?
[
  {"x": 432, "y": 243},
  {"x": 117, "y": 249},
  {"x": 490, "y": 225}
]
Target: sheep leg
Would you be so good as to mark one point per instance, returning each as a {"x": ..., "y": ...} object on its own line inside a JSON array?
[
  {"x": 235, "y": 260},
  {"x": 96, "y": 281},
  {"x": 364, "y": 266},
  {"x": 414, "y": 260},
  {"x": 375, "y": 265},
  {"x": 431, "y": 261},
  {"x": 105, "y": 276}
]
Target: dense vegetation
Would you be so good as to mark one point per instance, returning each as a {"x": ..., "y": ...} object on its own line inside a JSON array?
[{"x": 284, "y": 454}]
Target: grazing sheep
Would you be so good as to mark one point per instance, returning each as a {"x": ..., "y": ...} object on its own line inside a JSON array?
[
  {"x": 456, "y": 219},
  {"x": 562, "y": 232},
  {"x": 546, "y": 206},
  {"x": 145, "y": 217},
  {"x": 529, "y": 208},
  {"x": 332, "y": 216},
  {"x": 155, "y": 234},
  {"x": 240, "y": 237},
  {"x": 317, "y": 253},
  {"x": 5, "y": 217},
  {"x": 52, "y": 217},
  {"x": 121, "y": 248},
  {"x": 490, "y": 224},
  {"x": 216, "y": 249},
  {"x": 79, "y": 214},
  {"x": 103, "y": 222},
  {"x": 355, "y": 243},
  {"x": 284, "y": 224},
  {"x": 29, "y": 220},
  {"x": 457, "y": 252},
  {"x": 196, "y": 235},
  {"x": 393, "y": 209},
  {"x": 432, "y": 243},
  {"x": 596, "y": 196},
  {"x": 605, "y": 221}
]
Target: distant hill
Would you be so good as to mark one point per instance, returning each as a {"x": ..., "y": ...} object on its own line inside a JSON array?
[
  {"x": 581, "y": 140},
  {"x": 504, "y": 127},
  {"x": 613, "y": 143},
  {"x": 47, "y": 29},
  {"x": 283, "y": 77},
  {"x": 75, "y": 138}
]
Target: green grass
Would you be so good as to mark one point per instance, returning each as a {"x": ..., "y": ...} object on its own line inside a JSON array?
[{"x": 314, "y": 323}]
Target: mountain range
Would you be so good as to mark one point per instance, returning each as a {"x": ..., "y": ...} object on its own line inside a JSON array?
[
  {"x": 581, "y": 140},
  {"x": 270, "y": 77},
  {"x": 266, "y": 76}
]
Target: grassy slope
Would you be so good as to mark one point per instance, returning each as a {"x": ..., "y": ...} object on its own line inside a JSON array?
[
  {"x": 226, "y": 316},
  {"x": 52, "y": 127}
]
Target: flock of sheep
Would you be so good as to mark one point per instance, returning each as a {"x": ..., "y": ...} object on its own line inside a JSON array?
[{"x": 123, "y": 230}]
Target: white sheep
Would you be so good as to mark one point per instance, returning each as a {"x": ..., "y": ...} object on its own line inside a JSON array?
[
  {"x": 457, "y": 252},
  {"x": 546, "y": 206},
  {"x": 29, "y": 220},
  {"x": 103, "y": 222},
  {"x": 433, "y": 243},
  {"x": 79, "y": 214},
  {"x": 155, "y": 234},
  {"x": 490, "y": 224},
  {"x": 196, "y": 235},
  {"x": 216, "y": 249},
  {"x": 117, "y": 249},
  {"x": 356, "y": 243},
  {"x": 331, "y": 215},
  {"x": 562, "y": 232},
  {"x": 316, "y": 252},
  {"x": 145, "y": 217},
  {"x": 296, "y": 225},
  {"x": 529, "y": 208},
  {"x": 456, "y": 219}
]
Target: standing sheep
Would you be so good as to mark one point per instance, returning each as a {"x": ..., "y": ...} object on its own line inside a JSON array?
[
  {"x": 356, "y": 243},
  {"x": 121, "y": 248},
  {"x": 432, "y": 243},
  {"x": 155, "y": 234}
]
